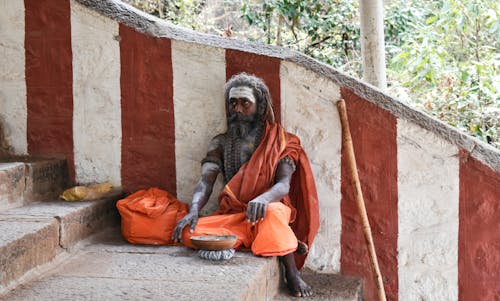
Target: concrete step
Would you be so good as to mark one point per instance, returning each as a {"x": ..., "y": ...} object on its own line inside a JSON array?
[
  {"x": 27, "y": 179},
  {"x": 109, "y": 268},
  {"x": 12, "y": 184},
  {"x": 327, "y": 287},
  {"x": 36, "y": 233},
  {"x": 106, "y": 267}
]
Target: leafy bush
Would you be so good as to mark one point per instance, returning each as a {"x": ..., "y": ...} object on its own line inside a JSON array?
[{"x": 448, "y": 61}]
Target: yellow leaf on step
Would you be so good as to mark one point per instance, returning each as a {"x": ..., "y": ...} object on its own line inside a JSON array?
[{"x": 83, "y": 193}]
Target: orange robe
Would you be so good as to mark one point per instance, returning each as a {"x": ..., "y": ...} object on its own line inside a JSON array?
[{"x": 295, "y": 217}]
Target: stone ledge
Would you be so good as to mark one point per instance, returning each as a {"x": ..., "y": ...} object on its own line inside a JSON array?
[
  {"x": 27, "y": 179},
  {"x": 12, "y": 184},
  {"x": 327, "y": 287},
  {"x": 24, "y": 245},
  {"x": 35, "y": 233},
  {"x": 106, "y": 267}
]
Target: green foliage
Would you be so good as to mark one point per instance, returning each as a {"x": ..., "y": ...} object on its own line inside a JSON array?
[
  {"x": 183, "y": 12},
  {"x": 448, "y": 61},
  {"x": 324, "y": 29},
  {"x": 442, "y": 55}
]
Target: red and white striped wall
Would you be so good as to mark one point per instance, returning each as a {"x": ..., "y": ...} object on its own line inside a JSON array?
[{"x": 139, "y": 111}]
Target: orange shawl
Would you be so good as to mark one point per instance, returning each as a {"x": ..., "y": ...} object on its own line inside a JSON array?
[{"x": 257, "y": 176}]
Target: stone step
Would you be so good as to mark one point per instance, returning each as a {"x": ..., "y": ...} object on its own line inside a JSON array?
[
  {"x": 12, "y": 184},
  {"x": 36, "y": 233},
  {"x": 327, "y": 287},
  {"x": 27, "y": 179},
  {"x": 106, "y": 267},
  {"x": 109, "y": 268}
]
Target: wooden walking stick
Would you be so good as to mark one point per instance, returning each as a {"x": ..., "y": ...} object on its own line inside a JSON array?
[{"x": 358, "y": 194}]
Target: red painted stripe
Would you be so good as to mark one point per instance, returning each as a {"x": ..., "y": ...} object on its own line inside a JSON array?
[
  {"x": 49, "y": 79},
  {"x": 374, "y": 135},
  {"x": 148, "y": 133},
  {"x": 265, "y": 67},
  {"x": 478, "y": 231}
]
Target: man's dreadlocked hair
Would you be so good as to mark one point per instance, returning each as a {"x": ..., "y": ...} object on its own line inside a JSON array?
[{"x": 260, "y": 91}]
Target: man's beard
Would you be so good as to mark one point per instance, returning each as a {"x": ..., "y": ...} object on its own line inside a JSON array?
[{"x": 239, "y": 125}]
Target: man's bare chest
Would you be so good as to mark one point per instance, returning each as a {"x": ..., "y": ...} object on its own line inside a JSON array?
[{"x": 237, "y": 151}]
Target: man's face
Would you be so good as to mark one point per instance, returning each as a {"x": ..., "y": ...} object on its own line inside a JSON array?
[
  {"x": 242, "y": 103},
  {"x": 242, "y": 108}
]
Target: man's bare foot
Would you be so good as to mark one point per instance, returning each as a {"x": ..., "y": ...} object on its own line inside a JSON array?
[{"x": 297, "y": 286}]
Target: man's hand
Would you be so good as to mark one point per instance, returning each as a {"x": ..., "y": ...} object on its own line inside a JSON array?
[
  {"x": 256, "y": 210},
  {"x": 189, "y": 219}
]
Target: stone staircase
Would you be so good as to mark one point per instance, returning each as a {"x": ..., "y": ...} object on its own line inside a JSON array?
[
  {"x": 55, "y": 250},
  {"x": 35, "y": 227}
]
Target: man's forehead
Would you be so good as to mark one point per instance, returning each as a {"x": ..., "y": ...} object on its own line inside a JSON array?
[{"x": 242, "y": 92}]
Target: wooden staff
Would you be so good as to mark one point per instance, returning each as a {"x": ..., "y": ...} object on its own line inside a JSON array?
[{"x": 347, "y": 141}]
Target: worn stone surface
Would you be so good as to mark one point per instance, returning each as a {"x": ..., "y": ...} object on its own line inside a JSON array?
[
  {"x": 45, "y": 179},
  {"x": 33, "y": 234},
  {"x": 25, "y": 244},
  {"x": 327, "y": 287},
  {"x": 12, "y": 184},
  {"x": 95, "y": 289},
  {"x": 108, "y": 268},
  {"x": 77, "y": 219},
  {"x": 90, "y": 219},
  {"x": 30, "y": 179}
]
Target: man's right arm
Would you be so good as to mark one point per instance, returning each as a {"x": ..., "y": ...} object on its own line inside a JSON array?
[
  {"x": 210, "y": 168},
  {"x": 203, "y": 189}
]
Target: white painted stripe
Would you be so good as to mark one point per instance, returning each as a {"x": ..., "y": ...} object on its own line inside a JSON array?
[
  {"x": 13, "y": 107},
  {"x": 307, "y": 100},
  {"x": 428, "y": 202},
  {"x": 199, "y": 75},
  {"x": 96, "y": 97}
]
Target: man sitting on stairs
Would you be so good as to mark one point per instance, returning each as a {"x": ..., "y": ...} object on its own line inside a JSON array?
[{"x": 269, "y": 201}]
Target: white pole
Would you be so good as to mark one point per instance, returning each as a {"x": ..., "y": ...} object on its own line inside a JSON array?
[{"x": 372, "y": 42}]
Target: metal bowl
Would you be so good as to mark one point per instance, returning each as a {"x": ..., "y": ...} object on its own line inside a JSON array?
[{"x": 214, "y": 242}]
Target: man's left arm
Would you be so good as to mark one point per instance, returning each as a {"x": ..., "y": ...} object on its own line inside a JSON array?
[{"x": 256, "y": 210}]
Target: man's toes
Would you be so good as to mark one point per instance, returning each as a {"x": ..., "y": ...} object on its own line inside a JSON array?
[{"x": 306, "y": 292}]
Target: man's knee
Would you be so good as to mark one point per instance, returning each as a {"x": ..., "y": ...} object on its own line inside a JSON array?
[{"x": 278, "y": 210}]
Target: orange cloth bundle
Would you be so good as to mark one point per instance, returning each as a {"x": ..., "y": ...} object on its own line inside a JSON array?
[{"x": 149, "y": 216}]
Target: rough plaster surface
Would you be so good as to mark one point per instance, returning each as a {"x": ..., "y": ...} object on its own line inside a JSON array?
[
  {"x": 199, "y": 78},
  {"x": 12, "y": 76},
  {"x": 96, "y": 97},
  {"x": 307, "y": 100},
  {"x": 148, "y": 121},
  {"x": 156, "y": 27},
  {"x": 478, "y": 233},
  {"x": 428, "y": 201}
]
